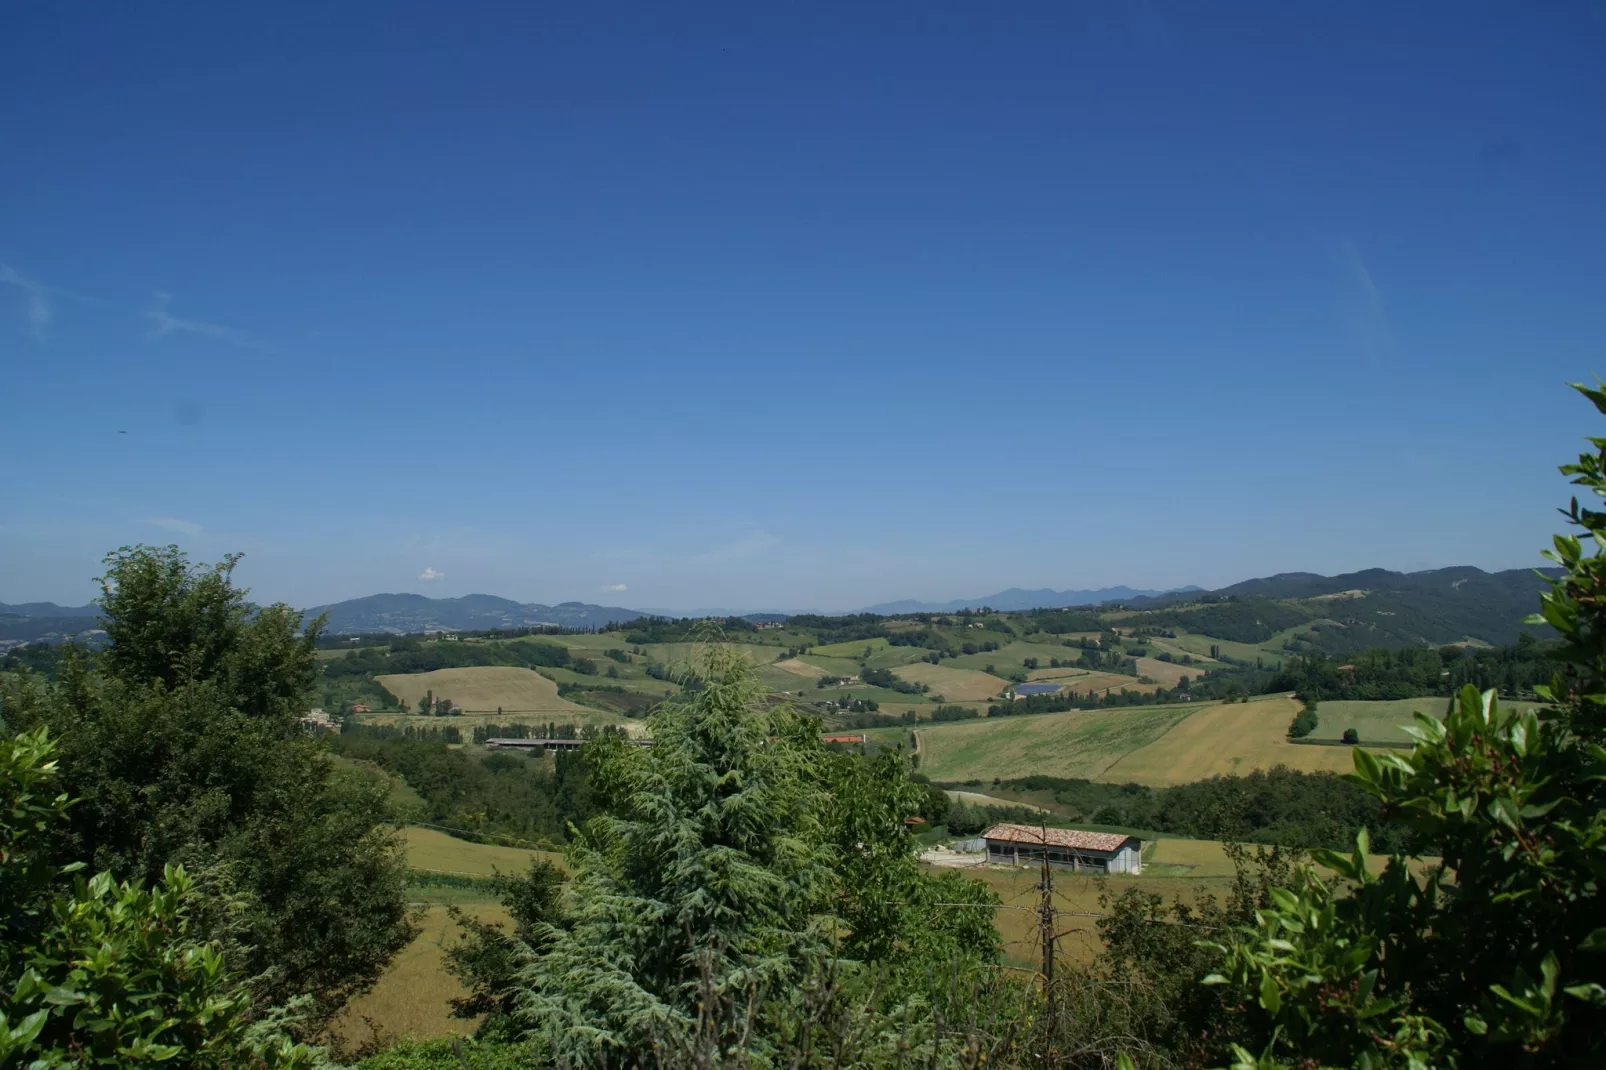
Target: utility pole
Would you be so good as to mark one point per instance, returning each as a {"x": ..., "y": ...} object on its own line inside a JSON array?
[{"x": 1045, "y": 916}]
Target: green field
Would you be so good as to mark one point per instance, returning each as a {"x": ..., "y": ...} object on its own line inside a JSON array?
[
  {"x": 853, "y": 649},
  {"x": 1382, "y": 722},
  {"x": 1270, "y": 652},
  {"x": 1080, "y": 744},
  {"x": 1379, "y": 722},
  {"x": 832, "y": 666},
  {"x": 1011, "y": 656}
]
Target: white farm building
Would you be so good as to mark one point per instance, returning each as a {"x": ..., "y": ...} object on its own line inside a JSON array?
[{"x": 1095, "y": 852}]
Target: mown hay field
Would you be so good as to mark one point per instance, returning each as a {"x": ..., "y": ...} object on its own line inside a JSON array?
[
  {"x": 1076, "y": 894},
  {"x": 438, "y": 852},
  {"x": 482, "y": 689},
  {"x": 1227, "y": 738},
  {"x": 1167, "y": 673},
  {"x": 414, "y": 994},
  {"x": 961, "y": 685},
  {"x": 801, "y": 668},
  {"x": 1078, "y": 744}
]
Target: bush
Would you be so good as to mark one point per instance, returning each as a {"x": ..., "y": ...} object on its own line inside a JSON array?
[
  {"x": 1305, "y": 720},
  {"x": 1351, "y": 736},
  {"x": 101, "y": 973}
]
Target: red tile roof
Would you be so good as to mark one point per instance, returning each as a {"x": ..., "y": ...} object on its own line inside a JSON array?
[{"x": 1072, "y": 838}]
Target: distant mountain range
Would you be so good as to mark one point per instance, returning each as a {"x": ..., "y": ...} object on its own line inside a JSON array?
[
  {"x": 415, "y": 613},
  {"x": 1017, "y": 598},
  {"x": 29, "y": 621},
  {"x": 1379, "y": 607}
]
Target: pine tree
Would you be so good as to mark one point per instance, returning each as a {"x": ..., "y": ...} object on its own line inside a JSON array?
[{"x": 707, "y": 882}]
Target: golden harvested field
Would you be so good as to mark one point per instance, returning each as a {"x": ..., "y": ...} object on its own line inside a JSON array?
[
  {"x": 1168, "y": 673},
  {"x": 1074, "y": 893},
  {"x": 483, "y": 689},
  {"x": 801, "y": 668},
  {"x": 961, "y": 685},
  {"x": 412, "y": 994},
  {"x": 1079, "y": 744},
  {"x": 1082, "y": 681},
  {"x": 434, "y": 850},
  {"x": 1231, "y": 737}
]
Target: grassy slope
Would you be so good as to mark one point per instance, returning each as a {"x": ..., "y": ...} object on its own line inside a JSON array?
[
  {"x": 1232, "y": 737},
  {"x": 1382, "y": 722},
  {"x": 1011, "y": 657},
  {"x": 1080, "y": 744}
]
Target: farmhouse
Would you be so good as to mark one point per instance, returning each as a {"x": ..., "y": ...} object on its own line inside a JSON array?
[
  {"x": 845, "y": 737},
  {"x": 1097, "y": 852}
]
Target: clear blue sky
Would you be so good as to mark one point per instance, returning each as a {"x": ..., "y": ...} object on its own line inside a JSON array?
[{"x": 800, "y": 305}]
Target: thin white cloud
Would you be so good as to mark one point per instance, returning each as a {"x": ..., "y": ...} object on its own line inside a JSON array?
[
  {"x": 429, "y": 575},
  {"x": 40, "y": 311},
  {"x": 614, "y": 588},
  {"x": 173, "y": 523},
  {"x": 167, "y": 323},
  {"x": 1365, "y": 312}
]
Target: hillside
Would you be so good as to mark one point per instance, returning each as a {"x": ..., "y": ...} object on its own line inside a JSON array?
[
  {"x": 1359, "y": 610},
  {"x": 1015, "y": 598},
  {"x": 404, "y": 613}
]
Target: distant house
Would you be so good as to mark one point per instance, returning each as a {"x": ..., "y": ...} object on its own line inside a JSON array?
[
  {"x": 317, "y": 718},
  {"x": 1094, "y": 852},
  {"x": 359, "y": 708},
  {"x": 845, "y": 737}
]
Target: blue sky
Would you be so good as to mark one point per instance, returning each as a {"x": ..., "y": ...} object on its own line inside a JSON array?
[{"x": 793, "y": 306}]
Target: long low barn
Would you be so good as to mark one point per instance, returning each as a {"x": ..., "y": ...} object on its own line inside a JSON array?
[{"x": 1097, "y": 852}]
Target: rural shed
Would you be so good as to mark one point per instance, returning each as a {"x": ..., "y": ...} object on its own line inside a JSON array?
[{"x": 1095, "y": 852}]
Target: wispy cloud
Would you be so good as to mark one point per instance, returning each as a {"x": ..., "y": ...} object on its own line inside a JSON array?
[
  {"x": 167, "y": 323},
  {"x": 173, "y": 523},
  {"x": 40, "y": 311},
  {"x": 429, "y": 575},
  {"x": 614, "y": 588},
  {"x": 43, "y": 299},
  {"x": 1365, "y": 312}
]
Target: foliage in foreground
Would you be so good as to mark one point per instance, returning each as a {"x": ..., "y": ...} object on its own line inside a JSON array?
[
  {"x": 1496, "y": 955},
  {"x": 183, "y": 744},
  {"x": 100, "y": 973},
  {"x": 746, "y": 889}
]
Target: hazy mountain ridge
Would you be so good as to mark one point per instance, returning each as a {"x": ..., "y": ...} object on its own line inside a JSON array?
[
  {"x": 401, "y": 613},
  {"x": 1378, "y": 607},
  {"x": 1018, "y": 598},
  {"x": 1375, "y": 607}
]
